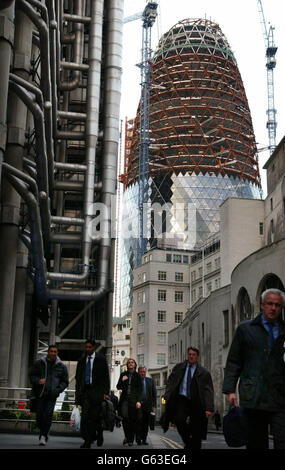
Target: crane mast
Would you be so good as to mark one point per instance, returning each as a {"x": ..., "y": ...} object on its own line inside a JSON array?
[{"x": 271, "y": 50}]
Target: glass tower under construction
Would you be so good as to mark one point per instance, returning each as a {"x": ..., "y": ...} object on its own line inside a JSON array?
[{"x": 202, "y": 147}]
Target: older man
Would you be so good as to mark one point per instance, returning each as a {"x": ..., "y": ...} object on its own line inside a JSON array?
[
  {"x": 256, "y": 357},
  {"x": 190, "y": 399}
]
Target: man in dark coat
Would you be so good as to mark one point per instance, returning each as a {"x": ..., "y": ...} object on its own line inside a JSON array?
[
  {"x": 148, "y": 405},
  {"x": 92, "y": 385},
  {"x": 256, "y": 359},
  {"x": 49, "y": 377},
  {"x": 189, "y": 399}
]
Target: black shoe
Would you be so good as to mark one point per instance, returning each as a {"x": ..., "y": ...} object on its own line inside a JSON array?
[
  {"x": 85, "y": 445},
  {"x": 100, "y": 440},
  {"x": 130, "y": 443},
  {"x": 139, "y": 442},
  {"x": 125, "y": 441},
  {"x": 145, "y": 443}
]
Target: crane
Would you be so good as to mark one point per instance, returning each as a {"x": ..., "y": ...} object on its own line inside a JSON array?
[{"x": 271, "y": 50}]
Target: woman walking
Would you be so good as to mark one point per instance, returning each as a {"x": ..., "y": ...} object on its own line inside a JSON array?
[{"x": 130, "y": 383}]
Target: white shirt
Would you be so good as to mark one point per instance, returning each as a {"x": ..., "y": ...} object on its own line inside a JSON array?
[{"x": 92, "y": 357}]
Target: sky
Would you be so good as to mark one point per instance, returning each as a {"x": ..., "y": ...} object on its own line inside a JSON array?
[{"x": 241, "y": 24}]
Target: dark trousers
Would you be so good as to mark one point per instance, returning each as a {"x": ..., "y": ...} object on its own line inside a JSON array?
[
  {"x": 143, "y": 425},
  {"x": 91, "y": 417},
  {"x": 259, "y": 423},
  {"x": 189, "y": 420},
  {"x": 45, "y": 407},
  {"x": 129, "y": 414}
]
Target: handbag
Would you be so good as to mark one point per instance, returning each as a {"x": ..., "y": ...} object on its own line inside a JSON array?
[{"x": 235, "y": 427}]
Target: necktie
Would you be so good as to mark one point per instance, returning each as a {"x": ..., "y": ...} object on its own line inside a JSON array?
[
  {"x": 144, "y": 389},
  {"x": 188, "y": 382},
  {"x": 271, "y": 336},
  {"x": 88, "y": 371}
]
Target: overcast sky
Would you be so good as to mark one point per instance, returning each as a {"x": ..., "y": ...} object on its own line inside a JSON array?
[{"x": 240, "y": 23}]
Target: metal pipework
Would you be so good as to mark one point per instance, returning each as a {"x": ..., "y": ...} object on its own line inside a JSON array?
[
  {"x": 110, "y": 142},
  {"x": 41, "y": 25},
  {"x": 76, "y": 66},
  {"x": 91, "y": 136},
  {"x": 36, "y": 237}
]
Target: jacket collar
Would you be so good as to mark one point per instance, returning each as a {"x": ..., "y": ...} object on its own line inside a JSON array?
[{"x": 258, "y": 321}]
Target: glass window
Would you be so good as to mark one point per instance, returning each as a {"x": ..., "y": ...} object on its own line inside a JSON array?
[
  {"x": 161, "y": 337},
  {"x": 177, "y": 259},
  {"x": 161, "y": 316},
  {"x": 200, "y": 270},
  {"x": 178, "y": 317},
  {"x": 140, "y": 339},
  {"x": 209, "y": 267},
  {"x": 156, "y": 379},
  {"x": 161, "y": 295},
  {"x": 185, "y": 259},
  {"x": 141, "y": 359},
  {"x": 161, "y": 359},
  {"x": 178, "y": 296},
  {"x": 168, "y": 257},
  {"x": 193, "y": 296},
  {"x": 193, "y": 276},
  {"x": 209, "y": 287},
  {"x": 162, "y": 275},
  {"x": 179, "y": 277},
  {"x": 141, "y": 318}
]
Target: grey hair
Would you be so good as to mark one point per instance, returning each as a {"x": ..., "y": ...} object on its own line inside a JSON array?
[
  {"x": 142, "y": 367},
  {"x": 273, "y": 291}
]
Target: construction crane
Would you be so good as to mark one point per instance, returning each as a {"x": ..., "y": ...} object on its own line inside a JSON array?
[
  {"x": 148, "y": 16},
  {"x": 271, "y": 50}
]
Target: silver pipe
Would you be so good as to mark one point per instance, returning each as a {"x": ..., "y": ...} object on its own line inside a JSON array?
[
  {"x": 36, "y": 238},
  {"x": 70, "y": 167},
  {"x": 77, "y": 18},
  {"x": 65, "y": 238},
  {"x": 23, "y": 177},
  {"x": 110, "y": 142},
  {"x": 70, "y": 135},
  {"x": 74, "y": 186},
  {"x": 66, "y": 220},
  {"x": 73, "y": 66},
  {"x": 70, "y": 115}
]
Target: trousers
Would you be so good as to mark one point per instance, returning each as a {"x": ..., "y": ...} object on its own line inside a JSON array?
[
  {"x": 45, "y": 408},
  {"x": 91, "y": 417},
  {"x": 259, "y": 423},
  {"x": 189, "y": 420},
  {"x": 129, "y": 414}
]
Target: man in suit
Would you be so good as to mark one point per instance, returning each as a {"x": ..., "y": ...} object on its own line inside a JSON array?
[
  {"x": 92, "y": 385},
  {"x": 189, "y": 399},
  {"x": 148, "y": 405}
]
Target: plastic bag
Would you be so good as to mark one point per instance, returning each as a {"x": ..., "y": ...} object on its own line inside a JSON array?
[{"x": 75, "y": 419}]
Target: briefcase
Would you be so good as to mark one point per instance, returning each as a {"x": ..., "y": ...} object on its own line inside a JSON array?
[{"x": 152, "y": 421}]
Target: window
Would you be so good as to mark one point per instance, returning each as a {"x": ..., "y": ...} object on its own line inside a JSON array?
[
  {"x": 141, "y": 359},
  {"x": 145, "y": 259},
  {"x": 128, "y": 323},
  {"x": 271, "y": 204},
  {"x": 217, "y": 283},
  {"x": 140, "y": 339},
  {"x": 178, "y": 317},
  {"x": 161, "y": 316},
  {"x": 193, "y": 296},
  {"x": 177, "y": 258},
  {"x": 200, "y": 292},
  {"x": 209, "y": 288},
  {"x": 141, "y": 318},
  {"x": 161, "y": 359},
  {"x": 200, "y": 270},
  {"x": 139, "y": 298},
  {"x": 144, "y": 277},
  {"x": 261, "y": 231},
  {"x": 150, "y": 257},
  {"x": 209, "y": 267},
  {"x": 185, "y": 259},
  {"x": 143, "y": 297},
  {"x": 161, "y": 295},
  {"x": 168, "y": 257},
  {"x": 193, "y": 276},
  {"x": 120, "y": 327},
  {"x": 161, "y": 337},
  {"x": 162, "y": 275},
  {"x": 217, "y": 263},
  {"x": 178, "y": 296},
  {"x": 179, "y": 277},
  {"x": 156, "y": 379}
]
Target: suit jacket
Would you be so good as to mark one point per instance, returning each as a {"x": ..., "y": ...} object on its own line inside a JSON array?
[
  {"x": 149, "y": 401},
  {"x": 204, "y": 384},
  {"x": 100, "y": 379},
  {"x": 135, "y": 388}
]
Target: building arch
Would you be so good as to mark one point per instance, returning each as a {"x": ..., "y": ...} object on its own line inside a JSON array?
[
  {"x": 269, "y": 281},
  {"x": 243, "y": 305}
]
